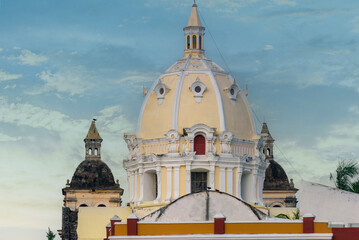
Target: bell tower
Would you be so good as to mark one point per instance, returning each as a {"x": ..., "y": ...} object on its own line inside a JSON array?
[
  {"x": 269, "y": 140},
  {"x": 194, "y": 32},
  {"x": 93, "y": 143}
]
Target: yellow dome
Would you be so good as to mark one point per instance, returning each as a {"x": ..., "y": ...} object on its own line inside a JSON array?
[{"x": 195, "y": 90}]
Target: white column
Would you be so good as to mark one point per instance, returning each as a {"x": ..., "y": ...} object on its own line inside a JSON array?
[
  {"x": 135, "y": 197},
  {"x": 211, "y": 177},
  {"x": 230, "y": 181},
  {"x": 188, "y": 178},
  {"x": 191, "y": 41},
  {"x": 130, "y": 191},
  {"x": 159, "y": 184},
  {"x": 140, "y": 171},
  {"x": 223, "y": 179},
  {"x": 176, "y": 179},
  {"x": 169, "y": 184},
  {"x": 239, "y": 182},
  {"x": 255, "y": 186},
  {"x": 261, "y": 175}
]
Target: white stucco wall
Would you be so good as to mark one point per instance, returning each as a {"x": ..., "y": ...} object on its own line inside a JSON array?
[
  {"x": 328, "y": 203},
  {"x": 192, "y": 207}
]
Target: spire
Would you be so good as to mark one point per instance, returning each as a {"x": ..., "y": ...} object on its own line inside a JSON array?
[
  {"x": 93, "y": 133},
  {"x": 265, "y": 130},
  {"x": 93, "y": 143},
  {"x": 194, "y": 33},
  {"x": 194, "y": 20}
]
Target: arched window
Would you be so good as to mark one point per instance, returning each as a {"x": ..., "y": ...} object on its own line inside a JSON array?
[
  {"x": 96, "y": 151},
  {"x": 268, "y": 151},
  {"x": 199, "y": 145},
  {"x": 83, "y": 205},
  {"x": 101, "y": 205},
  {"x": 194, "y": 40},
  {"x": 188, "y": 42},
  {"x": 200, "y": 42}
]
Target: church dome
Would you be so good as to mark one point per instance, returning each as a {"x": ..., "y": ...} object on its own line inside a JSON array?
[
  {"x": 276, "y": 178},
  {"x": 93, "y": 174},
  {"x": 195, "y": 90}
]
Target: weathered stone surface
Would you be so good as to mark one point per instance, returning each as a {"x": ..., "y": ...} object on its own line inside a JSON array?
[
  {"x": 93, "y": 174},
  {"x": 69, "y": 224},
  {"x": 276, "y": 178}
]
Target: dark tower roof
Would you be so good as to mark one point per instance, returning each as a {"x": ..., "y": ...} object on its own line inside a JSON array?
[
  {"x": 93, "y": 133},
  {"x": 276, "y": 178},
  {"x": 93, "y": 174}
]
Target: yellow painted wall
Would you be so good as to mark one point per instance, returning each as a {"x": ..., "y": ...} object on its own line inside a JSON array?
[
  {"x": 230, "y": 228},
  {"x": 92, "y": 221},
  {"x": 237, "y": 116},
  {"x": 250, "y": 228},
  {"x": 164, "y": 183},
  {"x": 154, "y": 111},
  {"x": 235, "y": 185},
  {"x": 177, "y": 228},
  {"x": 182, "y": 180},
  {"x": 206, "y": 111},
  {"x": 217, "y": 178}
]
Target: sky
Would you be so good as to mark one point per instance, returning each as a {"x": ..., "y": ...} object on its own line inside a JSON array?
[{"x": 65, "y": 62}]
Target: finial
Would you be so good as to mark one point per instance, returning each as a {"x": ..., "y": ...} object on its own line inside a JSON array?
[
  {"x": 68, "y": 181},
  {"x": 94, "y": 119},
  {"x": 117, "y": 181}
]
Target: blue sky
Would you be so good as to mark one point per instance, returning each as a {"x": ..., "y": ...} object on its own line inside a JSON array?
[{"x": 64, "y": 62}]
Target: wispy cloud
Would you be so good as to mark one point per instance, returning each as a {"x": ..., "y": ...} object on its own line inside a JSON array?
[
  {"x": 268, "y": 47},
  {"x": 5, "y": 76},
  {"x": 285, "y": 2},
  {"x": 6, "y": 138},
  {"x": 73, "y": 80},
  {"x": 29, "y": 58}
]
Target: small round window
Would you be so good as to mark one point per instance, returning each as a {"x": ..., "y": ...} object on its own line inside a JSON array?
[
  {"x": 197, "y": 89},
  {"x": 232, "y": 91},
  {"x": 162, "y": 91}
]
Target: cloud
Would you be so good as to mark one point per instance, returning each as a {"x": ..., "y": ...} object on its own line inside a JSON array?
[
  {"x": 1, "y": 49},
  {"x": 10, "y": 86},
  {"x": 137, "y": 79},
  {"x": 5, "y": 76},
  {"x": 285, "y": 2},
  {"x": 29, "y": 58},
  {"x": 74, "y": 81},
  {"x": 268, "y": 47},
  {"x": 6, "y": 138}
]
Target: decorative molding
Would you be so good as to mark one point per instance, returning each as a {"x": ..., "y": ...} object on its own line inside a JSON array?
[
  {"x": 161, "y": 90},
  {"x": 233, "y": 91},
  {"x": 198, "y": 88}
]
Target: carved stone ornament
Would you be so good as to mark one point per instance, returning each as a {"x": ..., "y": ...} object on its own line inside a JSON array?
[
  {"x": 225, "y": 139},
  {"x": 161, "y": 90},
  {"x": 132, "y": 145},
  {"x": 173, "y": 141},
  {"x": 198, "y": 89},
  {"x": 233, "y": 91}
]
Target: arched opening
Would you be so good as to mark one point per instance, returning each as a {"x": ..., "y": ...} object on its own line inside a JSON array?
[
  {"x": 194, "y": 42},
  {"x": 199, "y": 145},
  {"x": 91, "y": 151},
  {"x": 188, "y": 42},
  {"x": 101, "y": 205},
  {"x": 246, "y": 187},
  {"x": 83, "y": 205},
  {"x": 198, "y": 181},
  {"x": 200, "y": 42},
  {"x": 268, "y": 151},
  {"x": 96, "y": 151},
  {"x": 150, "y": 188},
  {"x": 277, "y": 206}
]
